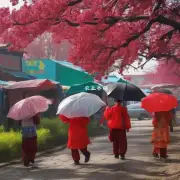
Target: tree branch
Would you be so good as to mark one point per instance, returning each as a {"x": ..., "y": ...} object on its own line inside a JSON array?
[
  {"x": 164, "y": 20},
  {"x": 72, "y": 3},
  {"x": 71, "y": 23},
  {"x": 110, "y": 20},
  {"x": 136, "y": 36},
  {"x": 168, "y": 34},
  {"x": 159, "y": 55},
  {"x": 158, "y": 5}
]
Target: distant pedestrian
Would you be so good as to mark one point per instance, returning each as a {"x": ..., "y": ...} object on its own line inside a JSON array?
[
  {"x": 78, "y": 137},
  {"x": 29, "y": 139},
  {"x": 160, "y": 134},
  {"x": 118, "y": 123}
]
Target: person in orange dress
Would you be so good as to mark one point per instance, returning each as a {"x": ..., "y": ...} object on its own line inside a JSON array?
[
  {"x": 118, "y": 123},
  {"x": 78, "y": 137},
  {"x": 160, "y": 134}
]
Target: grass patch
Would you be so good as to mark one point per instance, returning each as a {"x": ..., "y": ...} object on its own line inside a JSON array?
[
  {"x": 51, "y": 133},
  {"x": 10, "y": 143}
]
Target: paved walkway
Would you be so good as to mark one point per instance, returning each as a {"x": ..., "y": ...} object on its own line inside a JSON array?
[{"x": 139, "y": 164}]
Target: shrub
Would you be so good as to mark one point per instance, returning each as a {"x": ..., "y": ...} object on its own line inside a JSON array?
[
  {"x": 51, "y": 132},
  {"x": 56, "y": 127},
  {"x": 10, "y": 143}
]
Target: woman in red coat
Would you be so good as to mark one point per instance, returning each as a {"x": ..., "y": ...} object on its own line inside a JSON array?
[
  {"x": 118, "y": 123},
  {"x": 78, "y": 137}
]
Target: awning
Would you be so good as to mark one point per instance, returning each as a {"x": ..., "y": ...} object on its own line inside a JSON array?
[{"x": 43, "y": 84}]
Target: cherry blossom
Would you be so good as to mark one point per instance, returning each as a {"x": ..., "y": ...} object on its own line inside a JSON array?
[{"x": 100, "y": 31}]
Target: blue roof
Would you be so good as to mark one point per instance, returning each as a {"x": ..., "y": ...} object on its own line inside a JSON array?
[
  {"x": 68, "y": 64},
  {"x": 110, "y": 79},
  {"x": 146, "y": 90},
  {"x": 19, "y": 74}
]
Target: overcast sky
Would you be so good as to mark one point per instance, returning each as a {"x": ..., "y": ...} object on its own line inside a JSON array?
[{"x": 148, "y": 67}]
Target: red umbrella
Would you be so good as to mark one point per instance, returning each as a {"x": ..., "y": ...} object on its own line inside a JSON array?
[{"x": 157, "y": 102}]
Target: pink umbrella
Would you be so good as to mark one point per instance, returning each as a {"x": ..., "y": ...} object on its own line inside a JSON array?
[{"x": 29, "y": 107}]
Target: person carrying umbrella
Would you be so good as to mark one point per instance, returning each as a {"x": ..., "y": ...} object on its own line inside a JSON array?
[
  {"x": 76, "y": 110},
  {"x": 160, "y": 104},
  {"x": 78, "y": 137},
  {"x": 117, "y": 115},
  {"x": 160, "y": 134},
  {"x": 29, "y": 139},
  {"x": 27, "y": 113},
  {"x": 118, "y": 123}
]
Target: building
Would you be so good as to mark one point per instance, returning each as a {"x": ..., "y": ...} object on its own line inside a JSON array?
[
  {"x": 61, "y": 71},
  {"x": 11, "y": 65}
]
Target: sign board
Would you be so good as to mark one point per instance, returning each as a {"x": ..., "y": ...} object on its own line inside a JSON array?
[
  {"x": 35, "y": 67},
  {"x": 40, "y": 68},
  {"x": 10, "y": 62},
  {"x": 93, "y": 88}
]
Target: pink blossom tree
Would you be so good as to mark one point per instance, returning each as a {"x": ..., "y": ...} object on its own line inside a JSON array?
[
  {"x": 166, "y": 72},
  {"x": 100, "y": 31}
]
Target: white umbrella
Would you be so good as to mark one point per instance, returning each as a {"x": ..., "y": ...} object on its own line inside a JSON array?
[{"x": 80, "y": 105}]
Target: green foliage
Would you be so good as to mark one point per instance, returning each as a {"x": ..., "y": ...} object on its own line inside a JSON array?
[{"x": 56, "y": 127}]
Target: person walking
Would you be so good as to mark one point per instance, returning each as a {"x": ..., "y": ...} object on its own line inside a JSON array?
[
  {"x": 118, "y": 123},
  {"x": 29, "y": 139},
  {"x": 77, "y": 137},
  {"x": 160, "y": 134}
]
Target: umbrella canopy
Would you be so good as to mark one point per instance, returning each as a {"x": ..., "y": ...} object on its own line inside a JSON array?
[
  {"x": 89, "y": 87},
  {"x": 29, "y": 107},
  {"x": 124, "y": 91},
  {"x": 166, "y": 91},
  {"x": 158, "y": 102},
  {"x": 80, "y": 105}
]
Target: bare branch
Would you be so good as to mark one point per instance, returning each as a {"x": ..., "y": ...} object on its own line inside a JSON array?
[{"x": 159, "y": 55}]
